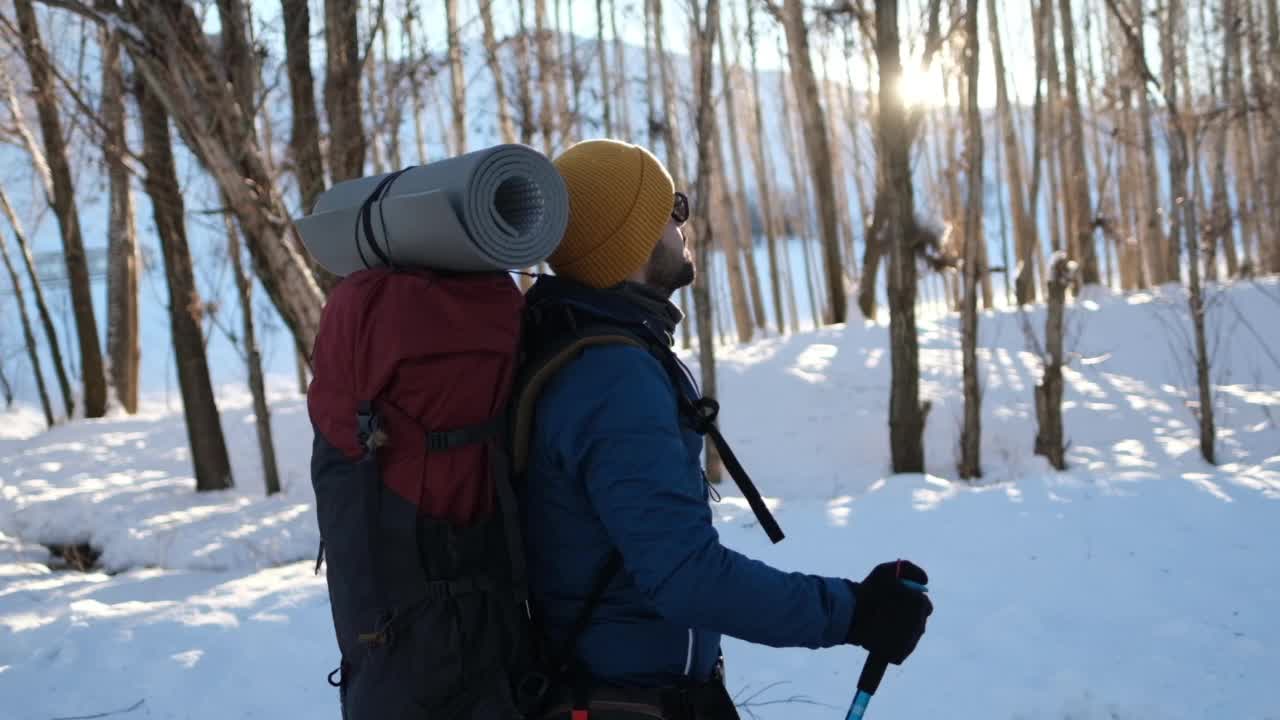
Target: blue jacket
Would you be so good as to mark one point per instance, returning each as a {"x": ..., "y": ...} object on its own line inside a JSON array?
[{"x": 612, "y": 465}]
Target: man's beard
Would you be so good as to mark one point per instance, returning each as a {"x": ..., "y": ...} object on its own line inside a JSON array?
[{"x": 669, "y": 271}]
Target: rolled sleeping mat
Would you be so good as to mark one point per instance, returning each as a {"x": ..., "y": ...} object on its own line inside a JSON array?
[{"x": 502, "y": 208}]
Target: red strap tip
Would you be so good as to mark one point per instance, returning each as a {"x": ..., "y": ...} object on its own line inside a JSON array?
[{"x": 578, "y": 715}]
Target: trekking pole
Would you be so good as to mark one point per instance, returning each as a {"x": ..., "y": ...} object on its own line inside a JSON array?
[{"x": 872, "y": 672}]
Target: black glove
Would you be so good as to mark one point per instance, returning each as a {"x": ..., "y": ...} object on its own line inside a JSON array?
[{"x": 889, "y": 616}]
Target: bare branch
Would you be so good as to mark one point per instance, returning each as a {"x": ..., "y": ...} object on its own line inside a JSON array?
[{"x": 86, "y": 110}]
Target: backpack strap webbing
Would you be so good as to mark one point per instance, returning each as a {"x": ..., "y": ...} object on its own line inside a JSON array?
[{"x": 540, "y": 371}]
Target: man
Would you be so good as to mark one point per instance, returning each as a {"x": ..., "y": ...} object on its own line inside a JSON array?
[{"x": 615, "y": 467}]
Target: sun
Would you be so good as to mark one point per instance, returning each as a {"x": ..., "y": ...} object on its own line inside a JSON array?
[{"x": 919, "y": 87}]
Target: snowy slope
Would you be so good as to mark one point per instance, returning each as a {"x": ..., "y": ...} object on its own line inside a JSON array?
[{"x": 1136, "y": 585}]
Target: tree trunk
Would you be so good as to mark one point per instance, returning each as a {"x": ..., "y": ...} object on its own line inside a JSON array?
[
  {"x": 505, "y": 127},
  {"x": 457, "y": 78},
  {"x": 971, "y": 434},
  {"x": 1177, "y": 153},
  {"x": 42, "y": 308},
  {"x": 894, "y": 197},
  {"x": 1002, "y": 214},
  {"x": 1272, "y": 261},
  {"x": 6, "y": 389},
  {"x": 707, "y": 135},
  {"x": 93, "y": 373},
  {"x": 185, "y": 78},
  {"x": 1048, "y": 393},
  {"x": 744, "y": 239},
  {"x": 415, "y": 83},
  {"x": 204, "y": 427},
  {"x": 253, "y": 359},
  {"x": 1223, "y": 224},
  {"x": 650, "y": 87},
  {"x": 546, "y": 119},
  {"x": 1092, "y": 138},
  {"x": 576, "y": 74},
  {"x": 304, "y": 142},
  {"x": 1248, "y": 190},
  {"x": 29, "y": 337},
  {"x": 376, "y": 122},
  {"x": 122, "y": 239},
  {"x": 800, "y": 192},
  {"x": 832, "y": 101},
  {"x": 602, "y": 57},
  {"x": 621, "y": 85},
  {"x": 1078, "y": 182},
  {"x": 392, "y": 104},
  {"x": 818, "y": 149},
  {"x": 1217, "y": 232},
  {"x": 1204, "y": 412},
  {"x": 760, "y": 167},
  {"x": 564, "y": 119},
  {"x": 1038, "y": 134},
  {"x": 1153, "y": 241},
  {"x": 342, "y": 90},
  {"x": 670, "y": 130}
]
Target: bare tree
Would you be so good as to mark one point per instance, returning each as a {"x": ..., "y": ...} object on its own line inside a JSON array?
[
  {"x": 621, "y": 86},
  {"x": 505, "y": 127},
  {"x": 1153, "y": 241},
  {"x": 606, "y": 102},
  {"x": 1273, "y": 152},
  {"x": 546, "y": 73},
  {"x": 33, "y": 354},
  {"x": 1220, "y": 232},
  {"x": 42, "y": 307},
  {"x": 92, "y": 370},
  {"x": 6, "y": 387},
  {"x": 253, "y": 360},
  {"x": 524, "y": 78},
  {"x": 1048, "y": 393},
  {"x": 1179, "y": 125},
  {"x": 1078, "y": 175},
  {"x": 799, "y": 216},
  {"x": 895, "y": 220},
  {"x": 457, "y": 78},
  {"x": 204, "y": 427},
  {"x": 171, "y": 55},
  {"x": 812, "y": 115},
  {"x": 760, "y": 164},
  {"x": 745, "y": 237},
  {"x": 304, "y": 143},
  {"x": 971, "y": 434},
  {"x": 708, "y": 135},
  {"x": 342, "y": 89},
  {"x": 392, "y": 103},
  {"x": 415, "y": 81},
  {"x": 1023, "y": 225},
  {"x": 375, "y": 123},
  {"x": 122, "y": 238},
  {"x": 304, "y": 140},
  {"x": 669, "y": 128},
  {"x": 1248, "y": 190}
]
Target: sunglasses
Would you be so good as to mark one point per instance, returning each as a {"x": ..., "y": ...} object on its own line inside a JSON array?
[{"x": 680, "y": 211}]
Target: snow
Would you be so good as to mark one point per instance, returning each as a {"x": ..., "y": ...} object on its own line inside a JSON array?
[{"x": 1135, "y": 585}]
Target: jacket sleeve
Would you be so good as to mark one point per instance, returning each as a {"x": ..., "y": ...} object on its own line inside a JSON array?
[{"x": 623, "y": 437}]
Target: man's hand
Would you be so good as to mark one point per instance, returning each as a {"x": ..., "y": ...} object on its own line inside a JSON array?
[{"x": 890, "y": 611}]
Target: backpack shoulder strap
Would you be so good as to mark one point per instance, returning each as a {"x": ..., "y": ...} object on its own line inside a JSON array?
[{"x": 539, "y": 371}]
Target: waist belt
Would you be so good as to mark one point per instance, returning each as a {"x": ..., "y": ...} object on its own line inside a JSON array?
[{"x": 708, "y": 701}]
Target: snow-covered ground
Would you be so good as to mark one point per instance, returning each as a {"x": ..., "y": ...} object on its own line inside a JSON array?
[{"x": 1139, "y": 584}]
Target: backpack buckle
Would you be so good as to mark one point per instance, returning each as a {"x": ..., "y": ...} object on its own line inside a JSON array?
[
  {"x": 705, "y": 410},
  {"x": 368, "y": 429}
]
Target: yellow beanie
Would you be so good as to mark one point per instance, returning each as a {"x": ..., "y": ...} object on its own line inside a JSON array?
[{"x": 620, "y": 199}]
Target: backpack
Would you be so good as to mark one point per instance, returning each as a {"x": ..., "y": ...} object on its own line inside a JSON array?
[{"x": 422, "y": 405}]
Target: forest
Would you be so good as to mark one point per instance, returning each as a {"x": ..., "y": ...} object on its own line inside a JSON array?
[{"x": 1126, "y": 147}]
